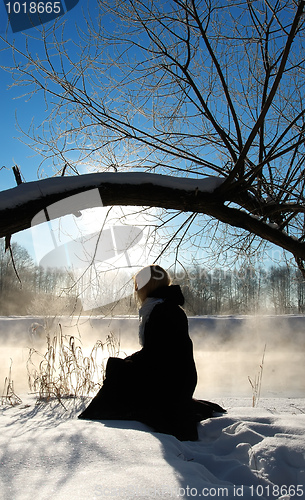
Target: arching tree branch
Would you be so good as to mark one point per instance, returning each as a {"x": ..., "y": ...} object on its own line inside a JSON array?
[{"x": 19, "y": 205}]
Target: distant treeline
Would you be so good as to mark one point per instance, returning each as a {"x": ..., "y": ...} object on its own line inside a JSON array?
[
  {"x": 276, "y": 290},
  {"x": 29, "y": 289}
]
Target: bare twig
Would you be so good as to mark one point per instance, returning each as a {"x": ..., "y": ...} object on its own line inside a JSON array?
[{"x": 256, "y": 384}]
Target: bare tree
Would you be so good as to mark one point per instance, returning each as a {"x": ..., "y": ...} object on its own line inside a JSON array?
[
  {"x": 281, "y": 291},
  {"x": 183, "y": 88}
]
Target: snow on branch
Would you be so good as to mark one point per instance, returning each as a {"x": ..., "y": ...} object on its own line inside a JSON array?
[
  {"x": 36, "y": 190},
  {"x": 20, "y": 205}
]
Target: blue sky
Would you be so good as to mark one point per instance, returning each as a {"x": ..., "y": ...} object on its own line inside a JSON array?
[{"x": 13, "y": 151}]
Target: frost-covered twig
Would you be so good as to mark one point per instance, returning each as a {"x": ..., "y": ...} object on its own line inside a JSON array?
[{"x": 256, "y": 384}]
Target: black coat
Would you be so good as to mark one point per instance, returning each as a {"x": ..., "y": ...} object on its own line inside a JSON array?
[
  {"x": 166, "y": 363},
  {"x": 155, "y": 385}
]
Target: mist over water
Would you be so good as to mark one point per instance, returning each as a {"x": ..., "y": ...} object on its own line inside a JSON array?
[{"x": 228, "y": 349}]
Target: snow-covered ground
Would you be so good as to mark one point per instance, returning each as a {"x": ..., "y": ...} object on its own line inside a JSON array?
[{"x": 47, "y": 453}]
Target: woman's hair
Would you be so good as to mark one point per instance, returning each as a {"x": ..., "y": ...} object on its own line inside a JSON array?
[{"x": 149, "y": 279}]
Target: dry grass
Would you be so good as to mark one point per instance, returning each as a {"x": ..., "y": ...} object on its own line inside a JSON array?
[
  {"x": 256, "y": 384},
  {"x": 64, "y": 370},
  {"x": 9, "y": 397}
]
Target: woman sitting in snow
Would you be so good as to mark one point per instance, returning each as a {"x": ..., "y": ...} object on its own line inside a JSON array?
[{"x": 155, "y": 385}]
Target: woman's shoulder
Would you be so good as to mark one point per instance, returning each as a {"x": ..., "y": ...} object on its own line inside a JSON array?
[
  {"x": 171, "y": 293},
  {"x": 168, "y": 313}
]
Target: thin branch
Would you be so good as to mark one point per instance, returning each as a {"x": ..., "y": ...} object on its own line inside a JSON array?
[
  {"x": 221, "y": 77},
  {"x": 264, "y": 111}
]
